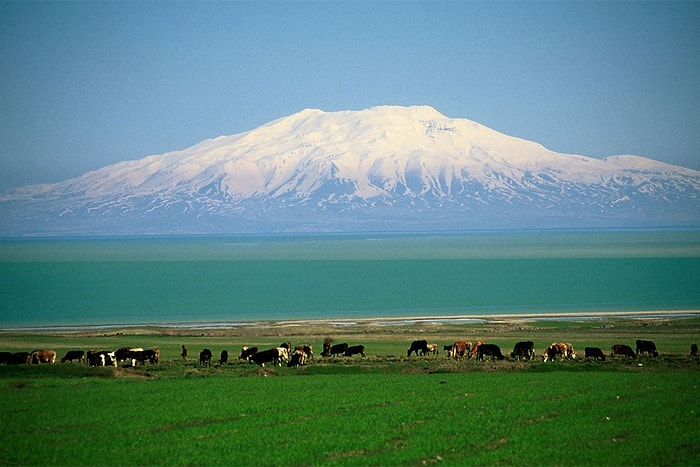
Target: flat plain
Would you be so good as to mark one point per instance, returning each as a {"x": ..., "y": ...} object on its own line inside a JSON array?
[{"x": 385, "y": 408}]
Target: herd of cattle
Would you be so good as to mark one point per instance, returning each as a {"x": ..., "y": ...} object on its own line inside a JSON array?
[
  {"x": 133, "y": 355},
  {"x": 301, "y": 354},
  {"x": 526, "y": 350}
]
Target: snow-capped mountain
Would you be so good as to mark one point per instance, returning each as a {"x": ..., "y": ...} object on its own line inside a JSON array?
[{"x": 383, "y": 168}]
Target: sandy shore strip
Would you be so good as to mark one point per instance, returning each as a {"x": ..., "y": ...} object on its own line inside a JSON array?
[{"x": 150, "y": 328}]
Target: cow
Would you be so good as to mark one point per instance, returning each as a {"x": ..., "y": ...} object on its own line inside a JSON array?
[
  {"x": 184, "y": 352},
  {"x": 44, "y": 356},
  {"x": 354, "y": 350},
  {"x": 282, "y": 355},
  {"x": 327, "y": 347},
  {"x": 275, "y": 356},
  {"x": 432, "y": 348},
  {"x": 489, "y": 349},
  {"x": 152, "y": 355},
  {"x": 525, "y": 349},
  {"x": 247, "y": 352},
  {"x": 135, "y": 356},
  {"x": 74, "y": 355},
  {"x": 223, "y": 359},
  {"x": 421, "y": 345},
  {"x": 694, "y": 350},
  {"x": 448, "y": 349},
  {"x": 557, "y": 348},
  {"x": 623, "y": 350},
  {"x": 101, "y": 358},
  {"x": 127, "y": 353},
  {"x": 5, "y": 357},
  {"x": 307, "y": 349},
  {"x": 20, "y": 358},
  {"x": 647, "y": 347},
  {"x": 475, "y": 349},
  {"x": 338, "y": 349},
  {"x": 298, "y": 358},
  {"x": 594, "y": 353},
  {"x": 460, "y": 349},
  {"x": 205, "y": 357},
  {"x": 141, "y": 356}
]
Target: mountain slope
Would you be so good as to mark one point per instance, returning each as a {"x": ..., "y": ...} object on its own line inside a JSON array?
[{"x": 383, "y": 168}]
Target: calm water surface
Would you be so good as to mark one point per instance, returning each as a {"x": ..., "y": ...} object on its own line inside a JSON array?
[{"x": 70, "y": 282}]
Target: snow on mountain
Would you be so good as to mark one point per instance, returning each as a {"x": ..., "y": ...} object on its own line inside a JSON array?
[{"x": 383, "y": 168}]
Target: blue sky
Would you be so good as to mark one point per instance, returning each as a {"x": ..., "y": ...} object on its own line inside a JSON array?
[{"x": 87, "y": 84}]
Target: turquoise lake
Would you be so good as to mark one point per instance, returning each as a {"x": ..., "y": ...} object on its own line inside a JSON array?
[{"x": 232, "y": 279}]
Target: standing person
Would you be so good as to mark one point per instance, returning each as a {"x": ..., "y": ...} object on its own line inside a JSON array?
[{"x": 184, "y": 352}]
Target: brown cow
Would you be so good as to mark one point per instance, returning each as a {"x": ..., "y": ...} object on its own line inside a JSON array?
[
  {"x": 44, "y": 356},
  {"x": 564, "y": 350},
  {"x": 298, "y": 358},
  {"x": 475, "y": 349},
  {"x": 460, "y": 349},
  {"x": 327, "y": 347},
  {"x": 307, "y": 349}
]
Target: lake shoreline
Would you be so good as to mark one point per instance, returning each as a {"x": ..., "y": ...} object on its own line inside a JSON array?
[{"x": 340, "y": 323}]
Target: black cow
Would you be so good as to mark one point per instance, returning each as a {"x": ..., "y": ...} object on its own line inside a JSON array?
[
  {"x": 354, "y": 350},
  {"x": 136, "y": 356},
  {"x": 525, "y": 349},
  {"x": 247, "y": 352},
  {"x": 5, "y": 357},
  {"x": 489, "y": 349},
  {"x": 594, "y": 353},
  {"x": 265, "y": 356},
  {"x": 74, "y": 355},
  {"x": 338, "y": 349},
  {"x": 101, "y": 358},
  {"x": 223, "y": 360},
  {"x": 124, "y": 353},
  {"x": 152, "y": 355},
  {"x": 646, "y": 346},
  {"x": 421, "y": 345},
  {"x": 20, "y": 358},
  {"x": 141, "y": 356},
  {"x": 694, "y": 350},
  {"x": 205, "y": 357},
  {"x": 624, "y": 350}
]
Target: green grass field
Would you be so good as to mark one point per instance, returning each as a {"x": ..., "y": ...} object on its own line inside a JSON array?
[{"x": 385, "y": 409}]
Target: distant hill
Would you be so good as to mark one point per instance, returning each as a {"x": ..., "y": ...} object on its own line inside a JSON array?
[{"x": 380, "y": 169}]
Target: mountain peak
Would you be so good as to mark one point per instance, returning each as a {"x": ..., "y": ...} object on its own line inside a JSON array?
[{"x": 381, "y": 168}]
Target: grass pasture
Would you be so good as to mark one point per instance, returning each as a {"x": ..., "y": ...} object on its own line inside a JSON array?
[{"x": 385, "y": 409}]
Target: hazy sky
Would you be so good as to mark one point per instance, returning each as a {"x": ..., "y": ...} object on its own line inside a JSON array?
[{"x": 87, "y": 84}]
